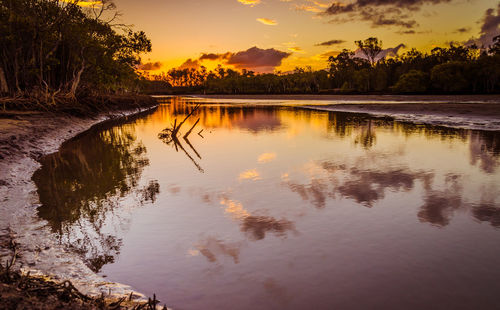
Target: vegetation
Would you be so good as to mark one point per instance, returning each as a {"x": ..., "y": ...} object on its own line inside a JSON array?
[
  {"x": 454, "y": 69},
  {"x": 53, "y": 51}
]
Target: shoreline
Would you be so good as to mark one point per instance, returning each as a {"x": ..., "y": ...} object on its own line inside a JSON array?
[
  {"x": 347, "y": 98},
  {"x": 24, "y": 138},
  {"x": 464, "y": 112}
]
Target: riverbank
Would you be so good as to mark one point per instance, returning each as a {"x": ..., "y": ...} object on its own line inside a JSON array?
[
  {"x": 26, "y": 136},
  {"x": 373, "y": 98},
  {"x": 480, "y": 112}
]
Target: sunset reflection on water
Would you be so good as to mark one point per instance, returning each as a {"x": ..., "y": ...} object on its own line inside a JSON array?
[{"x": 292, "y": 208}]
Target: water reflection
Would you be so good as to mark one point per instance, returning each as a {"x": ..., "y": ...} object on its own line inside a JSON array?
[
  {"x": 293, "y": 204},
  {"x": 80, "y": 186}
]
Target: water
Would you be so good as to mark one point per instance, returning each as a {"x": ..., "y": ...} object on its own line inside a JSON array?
[{"x": 274, "y": 207}]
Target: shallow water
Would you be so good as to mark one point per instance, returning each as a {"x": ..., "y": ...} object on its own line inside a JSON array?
[{"x": 273, "y": 207}]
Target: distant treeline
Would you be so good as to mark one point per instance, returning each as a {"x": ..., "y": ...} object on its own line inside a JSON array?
[
  {"x": 52, "y": 50},
  {"x": 454, "y": 69}
]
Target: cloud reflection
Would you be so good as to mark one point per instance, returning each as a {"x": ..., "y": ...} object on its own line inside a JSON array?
[
  {"x": 251, "y": 174},
  {"x": 266, "y": 157}
]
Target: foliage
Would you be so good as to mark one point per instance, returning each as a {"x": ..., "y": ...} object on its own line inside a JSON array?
[
  {"x": 457, "y": 68},
  {"x": 56, "y": 47},
  {"x": 415, "y": 81}
]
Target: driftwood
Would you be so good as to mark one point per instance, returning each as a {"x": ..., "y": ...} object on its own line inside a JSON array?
[{"x": 170, "y": 137}]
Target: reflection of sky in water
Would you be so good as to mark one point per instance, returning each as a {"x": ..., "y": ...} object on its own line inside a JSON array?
[{"x": 292, "y": 208}]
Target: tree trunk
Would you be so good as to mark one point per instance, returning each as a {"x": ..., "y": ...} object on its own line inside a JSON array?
[
  {"x": 76, "y": 80},
  {"x": 4, "y": 87}
]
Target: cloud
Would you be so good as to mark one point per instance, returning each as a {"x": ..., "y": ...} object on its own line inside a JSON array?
[
  {"x": 379, "y": 12},
  {"x": 267, "y": 21},
  {"x": 85, "y": 4},
  {"x": 189, "y": 64},
  {"x": 490, "y": 28},
  {"x": 312, "y": 6},
  {"x": 256, "y": 59},
  {"x": 212, "y": 56},
  {"x": 462, "y": 30},
  {"x": 329, "y": 54},
  {"x": 265, "y": 60},
  {"x": 150, "y": 66},
  {"x": 251, "y": 3},
  {"x": 296, "y": 49},
  {"x": 308, "y": 8},
  {"x": 331, "y": 42}
]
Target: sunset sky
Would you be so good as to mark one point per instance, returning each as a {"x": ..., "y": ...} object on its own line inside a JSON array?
[{"x": 290, "y": 33}]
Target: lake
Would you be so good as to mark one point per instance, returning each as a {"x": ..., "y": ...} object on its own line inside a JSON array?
[{"x": 266, "y": 206}]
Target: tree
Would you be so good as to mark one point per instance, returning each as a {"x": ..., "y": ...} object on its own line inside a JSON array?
[
  {"x": 449, "y": 76},
  {"x": 414, "y": 81},
  {"x": 371, "y": 48},
  {"x": 57, "y": 47}
]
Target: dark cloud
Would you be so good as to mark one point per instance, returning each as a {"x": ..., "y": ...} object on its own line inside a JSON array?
[
  {"x": 407, "y": 32},
  {"x": 330, "y": 43},
  {"x": 190, "y": 64},
  {"x": 263, "y": 60},
  {"x": 329, "y": 54},
  {"x": 255, "y": 59},
  {"x": 149, "y": 66},
  {"x": 380, "y": 12},
  {"x": 212, "y": 56},
  {"x": 462, "y": 30},
  {"x": 490, "y": 28}
]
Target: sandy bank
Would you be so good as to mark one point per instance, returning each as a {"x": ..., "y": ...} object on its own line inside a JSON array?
[{"x": 24, "y": 138}]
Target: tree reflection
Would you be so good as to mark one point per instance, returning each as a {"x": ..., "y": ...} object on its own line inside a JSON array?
[
  {"x": 79, "y": 187},
  {"x": 258, "y": 226},
  {"x": 487, "y": 212}
]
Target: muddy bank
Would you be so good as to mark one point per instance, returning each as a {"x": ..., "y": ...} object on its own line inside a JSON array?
[
  {"x": 481, "y": 112},
  {"x": 479, "y": 116},
  {"x": 365, "y": 98},
  {"x": 24, "y": 137}
]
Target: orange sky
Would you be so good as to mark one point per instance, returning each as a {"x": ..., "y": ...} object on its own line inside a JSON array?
[{"x": 295, "y": 29}]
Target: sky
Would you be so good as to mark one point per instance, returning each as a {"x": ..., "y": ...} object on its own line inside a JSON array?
[{"x": 279, "y": 35}]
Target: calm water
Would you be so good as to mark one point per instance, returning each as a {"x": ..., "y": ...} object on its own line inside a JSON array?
[{"x": 280, "y": 207}]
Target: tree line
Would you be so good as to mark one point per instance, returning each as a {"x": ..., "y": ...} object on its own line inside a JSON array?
[
  {"x": 454, "y": 69},
  {"x": 52, "y": 49}
]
